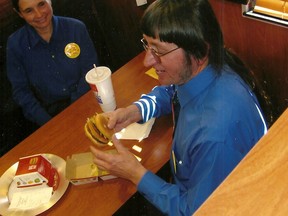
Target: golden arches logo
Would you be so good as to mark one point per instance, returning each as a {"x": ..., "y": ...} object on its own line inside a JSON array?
[{"x": 33, "y": 160}]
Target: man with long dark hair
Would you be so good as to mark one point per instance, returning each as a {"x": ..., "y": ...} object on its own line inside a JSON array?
[{"x": 217, "y": 113}]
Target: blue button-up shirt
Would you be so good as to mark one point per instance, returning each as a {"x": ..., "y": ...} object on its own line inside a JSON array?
[
  {"x": 219, "y": 122},
  {"x": 41, "y": 73}
]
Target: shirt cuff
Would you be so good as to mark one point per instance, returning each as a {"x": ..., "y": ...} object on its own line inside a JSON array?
[{"x": 150, "y": 184}]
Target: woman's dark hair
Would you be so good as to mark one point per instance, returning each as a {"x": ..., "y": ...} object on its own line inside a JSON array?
[
  {"x": 15, "y": 4},
  {"x": 193, "y": 26}
]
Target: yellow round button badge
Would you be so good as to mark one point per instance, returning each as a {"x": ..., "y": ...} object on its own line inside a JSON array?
[{"x": 72, "y": 50}]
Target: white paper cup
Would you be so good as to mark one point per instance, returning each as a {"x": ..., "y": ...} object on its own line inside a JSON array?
[{"x": 100, "y": 82}]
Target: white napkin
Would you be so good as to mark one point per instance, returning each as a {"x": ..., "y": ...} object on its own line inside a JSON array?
[
  {"x": 136, "y": 131},
  {"x": 31, "y": 198}
]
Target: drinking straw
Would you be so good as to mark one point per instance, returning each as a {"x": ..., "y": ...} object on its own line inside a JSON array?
[{"x": 97, "y": 72}]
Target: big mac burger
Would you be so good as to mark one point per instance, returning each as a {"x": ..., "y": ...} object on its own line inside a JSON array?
[{"x": 97, "y": 131}]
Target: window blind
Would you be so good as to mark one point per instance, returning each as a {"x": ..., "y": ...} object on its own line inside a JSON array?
[{"x": 274, "y": 8}]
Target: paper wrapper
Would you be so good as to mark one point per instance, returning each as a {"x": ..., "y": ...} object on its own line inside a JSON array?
[
  {"x": 136, "y": 131},
  {"x": 152, "y": 73}
]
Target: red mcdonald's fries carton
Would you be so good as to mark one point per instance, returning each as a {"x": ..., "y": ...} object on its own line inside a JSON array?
[{"x": 34, "y": 170}]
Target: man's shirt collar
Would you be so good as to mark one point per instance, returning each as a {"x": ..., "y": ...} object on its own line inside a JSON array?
[{"x": 196, "y": 85}]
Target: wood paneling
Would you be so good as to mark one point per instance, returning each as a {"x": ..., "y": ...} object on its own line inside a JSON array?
[{"x": 263, "y": 46}]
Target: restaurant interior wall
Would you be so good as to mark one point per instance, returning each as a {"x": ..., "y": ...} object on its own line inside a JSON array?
[{"x": 262, "y": 46}]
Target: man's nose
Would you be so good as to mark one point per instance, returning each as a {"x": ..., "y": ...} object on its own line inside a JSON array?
[
  {"x": 149, "y": 59},
  {"x": 38, "y": 13}
]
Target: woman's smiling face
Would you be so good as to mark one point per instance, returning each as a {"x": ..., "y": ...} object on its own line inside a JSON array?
[{"x": 37, "y": 13}]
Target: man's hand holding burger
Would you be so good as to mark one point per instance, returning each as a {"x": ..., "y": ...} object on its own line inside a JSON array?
[
  {"x": 99, "y": 128},
  {"x": 123, "y": 117},
  {"x": 122, "y": 164}
]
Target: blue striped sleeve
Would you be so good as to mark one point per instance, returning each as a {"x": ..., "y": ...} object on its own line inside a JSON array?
[{"x": 156, "y": 103}]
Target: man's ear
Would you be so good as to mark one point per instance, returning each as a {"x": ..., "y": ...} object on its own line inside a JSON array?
[{"x": 202, "y": 61}]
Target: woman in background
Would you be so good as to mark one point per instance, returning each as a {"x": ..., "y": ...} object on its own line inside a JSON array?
[{"x": 47, "y": 60}]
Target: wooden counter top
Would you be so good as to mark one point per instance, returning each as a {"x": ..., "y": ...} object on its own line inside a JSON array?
[
  {"x": 259, "y": 184},
  {"x": 64, "y": 135}
]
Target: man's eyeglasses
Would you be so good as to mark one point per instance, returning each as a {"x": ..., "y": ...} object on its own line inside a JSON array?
[{"x": 153, "y": 51}]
